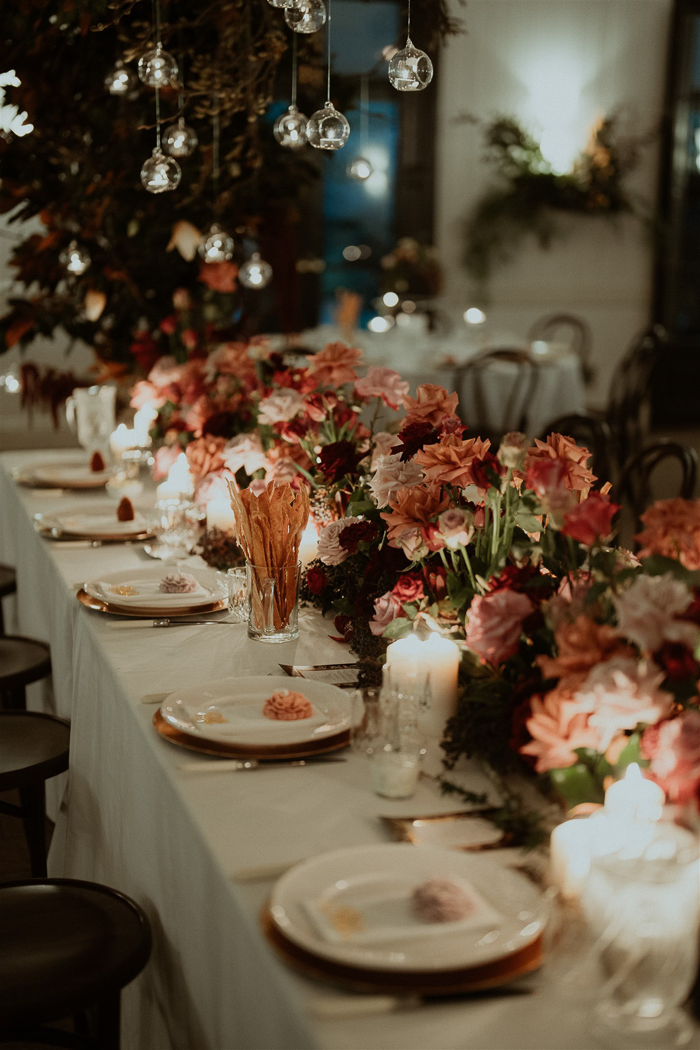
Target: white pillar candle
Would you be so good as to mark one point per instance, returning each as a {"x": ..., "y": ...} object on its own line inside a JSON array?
[
  {"x": 121, "y": 439},
  {"x": 179, "y": 483},
  {"x": 439, "y": 658},
  {"x": 142, "y": 424},
  {"x": 634, "y": 798},
  {"x": 570, "y": 854},
  {"x": 220, "y": 515},
  {"x": 308, "y": 545}
]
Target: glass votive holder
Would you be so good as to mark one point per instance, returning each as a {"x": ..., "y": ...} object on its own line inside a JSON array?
[
  {"x": 395, "y": 771},
  {"x": 236, "y": 584},
  {"x": 365, "y": 728},
  {"x": 177, "y": 523},
  {"x": 274, "y": 602}
]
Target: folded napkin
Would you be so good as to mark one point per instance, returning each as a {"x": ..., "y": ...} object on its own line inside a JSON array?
[
  {"x": 148, "y": 594},
  {"x": 99, "y": 524},
  {"x": 245, "y": 720}
]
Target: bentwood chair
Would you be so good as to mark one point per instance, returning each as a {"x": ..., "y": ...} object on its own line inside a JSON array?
[
  {"x": 628, "y": 400},
  {"x": 634, "y": 489},
  {"x": 8, "y": 585},
  {"x": 519, "y": 384},
  {"x": 33, "y": 748},
  {"x": 569, "y": 329},
  {"x": 589, "y": 432},
  {"x": 69, "y": 947},
  {"x": 22, "y": 661}
]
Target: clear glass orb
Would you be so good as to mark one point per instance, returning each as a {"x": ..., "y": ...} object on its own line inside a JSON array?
[
  {"x": 327, "y": 128},
  {"x": 217, "y": 246},
  {"x": 158, "y": 68},
  {"x": 120, "y": 80},
  {"x": 306, "y": 16},
  {"x": 75, "y": 259},
  {"x": 290, "y": 129},
  {"x": 255, "y": 273},
  {"x": 410, "y": 69},
  {"x": 179, "y": 140},
  {"x": 360, "y": 169},
  {"x": 160, "y": 174}
]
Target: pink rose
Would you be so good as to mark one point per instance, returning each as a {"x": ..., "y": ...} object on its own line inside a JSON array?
[
  {"x": 163, "y": 460},
  {"x": 496, "y": 623},
  {"x": 384, "y": 383},
  {"x": 386, "y": 609},
  {"x": 330, "y": 551},
  {"x": 457, "y": 527}
]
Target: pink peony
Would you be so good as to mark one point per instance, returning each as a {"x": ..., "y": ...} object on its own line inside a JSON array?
[
  {"x": 648, "y": 611},
  {"x": 384, "y": 383},
  {"x": 329, "y": 550},
  {"x": 335, "y": 365},
  {"x": 496, "y": 623},
  {"x": 621, "y": 693},
  {"x": 391, "y": 475},
  {"x": 386, "y": 609},
  {"x": 281, "y": 406}
]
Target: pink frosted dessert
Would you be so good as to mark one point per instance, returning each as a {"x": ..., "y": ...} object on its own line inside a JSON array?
[
  {"x": 178, "y": 583},
  {"x": 285, "y": 706},
  {"x": 441, "y": 900}
]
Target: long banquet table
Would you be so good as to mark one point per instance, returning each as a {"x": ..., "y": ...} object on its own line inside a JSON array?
[{"x": 131, "y": 818}]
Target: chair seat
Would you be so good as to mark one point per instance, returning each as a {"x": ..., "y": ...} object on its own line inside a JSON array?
[
  {"x": 66, "y": 944},
  {"x": 8, "y": 581},
  {"x": 33, "y": 747},
  {"x": 22, "y": 661}
]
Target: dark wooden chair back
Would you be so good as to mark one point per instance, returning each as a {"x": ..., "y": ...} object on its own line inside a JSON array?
[
  {"x": 629, "y": 393},
  {"x": 515, "y": 405},
  {"x": 634, "y": 489},
  {"x": 569, "y": 329},
  {"x": 591, "y": 433}
]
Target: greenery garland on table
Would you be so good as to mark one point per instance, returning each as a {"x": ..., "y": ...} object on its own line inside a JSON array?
[{"x": 530, "y": 197}]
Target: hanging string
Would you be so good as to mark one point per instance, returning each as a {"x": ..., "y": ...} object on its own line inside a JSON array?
[
  {"x": 294, "y": 69},
  {"x": 215, "y": 156},
  {"x": 329, "y": 49},
  {"x": 408, "y": 34},
  {"x": 157, "y": 90},
  {"x": 156, "y": 19}
]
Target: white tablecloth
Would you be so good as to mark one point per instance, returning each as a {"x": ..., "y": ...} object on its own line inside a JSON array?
[{"x": 131, "y": 818}]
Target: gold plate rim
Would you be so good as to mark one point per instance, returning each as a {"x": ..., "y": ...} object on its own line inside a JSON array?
[
  {"x": 402, "y": 828},
  {"x": 97, "y": 605},
  {"x": 103, "y": 537},
  {"x": 223, "y": 750},
  {"x": 427, "y": 984}
]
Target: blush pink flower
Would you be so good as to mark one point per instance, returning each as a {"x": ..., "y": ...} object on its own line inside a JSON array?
[
  {"x": 548, "y": 479},
  {"x": 580, "y": 646},
  {"x": 245, "y": 451},
  {"x": 163, "y": 460},
  {"x": 281, "y": 406},
  {"x": 384, "y": 383},
  {"x": 557, "y": 730},
  {"x": 456, "y": 526},
  {"x": 386, "y": 609},
  {"x": 329, "y": 550},
  {"x": 430, "y": 405},
  {"x": 620, "y": 694},
  {"x": 391, "y": 475},
  {"x": 648, "y": 612},
  {"x": 578, "y": 477},
  {"x": 672, "y": 529},
  {"x": 145, "y": 393},
  {"x": 335, "y": 365},
  {"x": 382, "y": 444},
  {"x": 674, "y": 749},
  {"x": 495, "y": 623}
]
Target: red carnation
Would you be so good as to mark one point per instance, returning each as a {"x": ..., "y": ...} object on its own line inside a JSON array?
[
  {"x": 677, "y": 660},
  {"x": 316, "y": 580},
  {"x": 590, "y": 520},
  {"x": 338, "y": 459}
]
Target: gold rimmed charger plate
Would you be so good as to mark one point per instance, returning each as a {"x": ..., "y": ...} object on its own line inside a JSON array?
[
  {"x": 225, "y": 750},
  {"x": 97, "y": 605},
  {"x": 427, "y": 984},
  {"x": 407, "y": 829},
  {"x": 98, "y": 537}
]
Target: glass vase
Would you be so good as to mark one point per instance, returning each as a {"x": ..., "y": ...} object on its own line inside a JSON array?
[{"x": 274, "y": 602}]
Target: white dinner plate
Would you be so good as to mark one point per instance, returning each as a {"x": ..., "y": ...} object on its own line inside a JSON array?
[
  {"x": 239, "y": 702},
  {"x": 95, "y": 522},
  {"x": 344, "y": 876},
  {"x": 70, "y": 475},
  {"x": 110, "y": 588}
]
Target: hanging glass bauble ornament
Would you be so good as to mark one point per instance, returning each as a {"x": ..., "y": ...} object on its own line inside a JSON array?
[
  {"x": 255, "y": 273},
  {"x": 160, "y": 174},
  {"x": 75, "y": 259},
  {"x": 290, "y": 129},
  {"x": 360, "y": 169},
  {"x": 179, "y": 140},
  {"x": 158, "y": 68},
  {"x": 217, "y": 246},
  {"x": 306, "y": 16},
  {"x": 410, "y": 69},
  {"x": 327, "y": 128},
  {"x": 120, "y": 80}
]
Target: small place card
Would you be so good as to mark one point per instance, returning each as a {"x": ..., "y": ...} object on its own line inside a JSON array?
[{"x": 342, "y": 675}]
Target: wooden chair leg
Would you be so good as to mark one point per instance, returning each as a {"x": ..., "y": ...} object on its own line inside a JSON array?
[
  {"x": 33, "y": 803},
  {"x": 107, "y": 1015},
  {"x": 13, "y": 699}
]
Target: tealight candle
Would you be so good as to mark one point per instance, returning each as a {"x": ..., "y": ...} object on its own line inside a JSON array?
[
  {"x": 439, "y": 658},
  {"x": 308, "y": 545},
  {"x": 634, "y": 798},
  {"x": 220, "y": 515},
  {"x": 570, "y": 854},
  {"x": 179, "y": 483}
]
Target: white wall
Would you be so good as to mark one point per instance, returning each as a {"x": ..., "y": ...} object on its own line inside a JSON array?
[{"x": 566, "y": 62}]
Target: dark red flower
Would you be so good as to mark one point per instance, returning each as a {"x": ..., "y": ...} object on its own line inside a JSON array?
[
  {"x": 677, "y": 660},
  {"x": 692, "y": 613},
  {"x": 145, "y": 350},
  {"x": 486, "y": 471},
  {"x": 292, "y": 430},
  {"x": 343, "y": 625},
  {"x": 338, "y": 459},
  {"x": 359, "y": 532},
  {"x": 513, "y": 578},
  {"x": 221, "y": 424},
  {"x": 408, "y": 588},
  {"x": 168, "y": 324},
  {"x": 414, "y": 437},
  {"x": 316, "y": 580}
]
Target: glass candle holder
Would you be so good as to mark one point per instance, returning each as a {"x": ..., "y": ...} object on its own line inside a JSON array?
[
  {"x": 365, "y": 729},
  {"x": 274, "y": 602},
  {"x": 399, "y": 748},
  {"x": 177, "y": 523}
]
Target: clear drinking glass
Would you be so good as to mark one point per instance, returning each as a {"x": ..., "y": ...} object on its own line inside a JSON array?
[
  {"x": 641, "y": 905},
  {"x": 91, "y": 413},
  {"x": 274, "y": 602},
  {"x": 236, "y": 582},
  {"x": 177, "y": 522}
]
